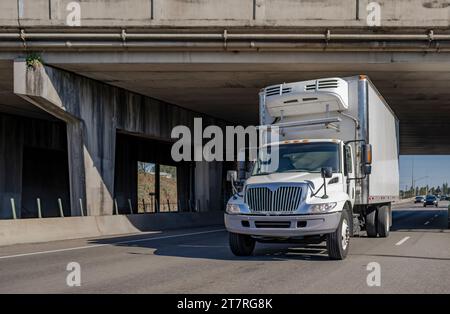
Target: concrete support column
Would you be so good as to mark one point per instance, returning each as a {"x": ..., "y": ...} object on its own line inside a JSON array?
[
  {"x": 215, "y": 186},
  {"x": 208, "y": 185},
  {"x": 99, "y": 143},
  {"x": 77, "y": 178},
  {"x": 201, "y": 186}
]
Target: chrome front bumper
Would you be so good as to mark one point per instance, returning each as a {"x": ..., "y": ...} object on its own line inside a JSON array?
[{"x": 283, "y": 226}]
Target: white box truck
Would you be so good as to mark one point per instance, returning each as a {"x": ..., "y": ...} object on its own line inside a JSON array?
[{"x": 337, "y": 170}]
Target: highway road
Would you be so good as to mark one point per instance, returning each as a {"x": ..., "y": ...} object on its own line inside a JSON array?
[{"x": 414, "y": 259}]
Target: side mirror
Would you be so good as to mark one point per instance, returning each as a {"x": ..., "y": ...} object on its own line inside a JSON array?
[
  {"x": 326, "y": 172},
  {"x": 231, "y": 175},
  {"x": 368, "y": 154},
  {"x": 367, "y": 169}
]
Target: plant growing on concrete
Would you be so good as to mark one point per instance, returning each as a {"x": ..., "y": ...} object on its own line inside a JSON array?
[{"x": 34, "y": 60}]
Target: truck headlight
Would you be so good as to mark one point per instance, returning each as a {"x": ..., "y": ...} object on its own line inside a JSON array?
[
  {"x": 322, "y": 208},
  {"x": 233, "y": 209}
]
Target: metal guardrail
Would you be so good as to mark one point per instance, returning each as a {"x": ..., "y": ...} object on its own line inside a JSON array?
[
  {"x": 15, "y": 215},
  {"x": 147, "y": 207}
]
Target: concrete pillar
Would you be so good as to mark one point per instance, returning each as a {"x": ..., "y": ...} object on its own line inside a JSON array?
[
  {"x": 97, "y": 107},
  {"x": 215, "y": 186},
  {"x": 77, "y": 177},
  {"x": 208, "y": 185},
  {"x": 201, "y": 186}
]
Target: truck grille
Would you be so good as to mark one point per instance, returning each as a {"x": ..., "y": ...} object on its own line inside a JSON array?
[{"x": 283, "y": 199}]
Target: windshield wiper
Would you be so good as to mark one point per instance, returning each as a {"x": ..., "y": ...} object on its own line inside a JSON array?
[
  {"x": 297, "y": 170},
  {"x": 262, "y": 173}
]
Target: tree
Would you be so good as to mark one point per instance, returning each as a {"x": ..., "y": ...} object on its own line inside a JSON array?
[{"x": 146, "y": 167}]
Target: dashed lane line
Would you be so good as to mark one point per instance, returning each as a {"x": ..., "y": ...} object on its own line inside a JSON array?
[{"x": 402, "y": 241}]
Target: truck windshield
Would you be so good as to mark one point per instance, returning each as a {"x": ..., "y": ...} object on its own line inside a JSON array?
[{"x": 302, "y": 157}]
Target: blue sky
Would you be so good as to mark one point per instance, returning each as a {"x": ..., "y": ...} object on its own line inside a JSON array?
[{"x": 431, "y": 170}]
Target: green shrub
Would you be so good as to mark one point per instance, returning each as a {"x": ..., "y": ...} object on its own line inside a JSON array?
[{"x": 34, "y": 60}]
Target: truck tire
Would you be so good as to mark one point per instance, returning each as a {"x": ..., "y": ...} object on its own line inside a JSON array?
[
  {"x": 338, "y": 242},
  {"x": 383, "y": 221},
  {"x": 371, "y": 223},
  {"x": 241, "y": 244}
]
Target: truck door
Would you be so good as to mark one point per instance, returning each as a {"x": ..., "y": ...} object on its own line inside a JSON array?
[{"x": 349, "y": 172}]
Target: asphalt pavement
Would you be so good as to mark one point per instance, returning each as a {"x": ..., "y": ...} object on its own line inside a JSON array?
[{"x": 415, "y": 258}]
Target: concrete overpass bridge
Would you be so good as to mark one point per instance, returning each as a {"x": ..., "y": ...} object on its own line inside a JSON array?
[{"x": 141, "y": 67}]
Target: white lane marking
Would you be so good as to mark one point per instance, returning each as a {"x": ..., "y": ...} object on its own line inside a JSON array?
[
  {"x": 402, "y": 241},
  {"x": 112, "y": 243}
]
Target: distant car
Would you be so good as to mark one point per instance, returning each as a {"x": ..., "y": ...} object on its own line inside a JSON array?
[
  {"x": 431, "y": 200},
  {"x": 419, "y": 199},
  {"x": 444, "y": 197}
]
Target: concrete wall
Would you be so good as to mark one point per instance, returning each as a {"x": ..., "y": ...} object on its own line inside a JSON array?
[
  {"x": 94, "y": 113},
  {"x": 54, "y": 229},
  {"x": 226, "y": 13}
]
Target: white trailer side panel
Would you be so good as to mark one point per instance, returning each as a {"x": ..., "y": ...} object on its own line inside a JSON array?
[{"x": 384, "y": 180}]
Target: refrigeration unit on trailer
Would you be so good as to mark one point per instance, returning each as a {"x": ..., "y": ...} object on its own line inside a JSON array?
[{"x": 336, "y": 173}]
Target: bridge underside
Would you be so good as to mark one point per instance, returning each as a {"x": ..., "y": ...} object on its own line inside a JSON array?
[{"x": 226, "y": 85}]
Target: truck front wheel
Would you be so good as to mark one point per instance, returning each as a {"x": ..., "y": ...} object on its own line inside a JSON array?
[
  {"x": 241, "y": 244},
  {"x": 338, "y": 242}
]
